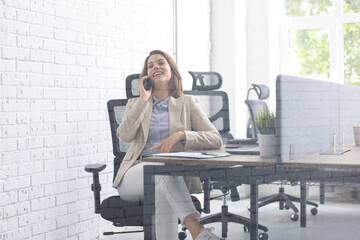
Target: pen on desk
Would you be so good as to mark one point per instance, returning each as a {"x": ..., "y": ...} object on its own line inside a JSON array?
[
  {"x": 346, "y": 151},
  {"x": 216, "y": 154},
  {"x": 210, "y": 154}
]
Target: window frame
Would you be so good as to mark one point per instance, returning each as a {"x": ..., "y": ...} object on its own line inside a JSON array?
[{"x": 334, "y": 23}]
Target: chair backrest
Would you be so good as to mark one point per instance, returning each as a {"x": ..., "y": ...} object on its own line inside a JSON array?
[
  {"x": 132, "y": 82},
  {"x": 116, "y": 109},
  {"x": 255, "y": 106},
  {"x": 215, "y": 104},
  {"x": 203, "y": 81}
]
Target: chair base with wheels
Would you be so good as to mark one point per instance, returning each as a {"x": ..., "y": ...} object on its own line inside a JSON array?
[
  {"x": 225, "y": 217},
  {"x": 286, "y": 202}
]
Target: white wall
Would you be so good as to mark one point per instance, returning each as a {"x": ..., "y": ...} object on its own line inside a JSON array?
[
  {"x": 228, "y": 57},
  {"x": 244, "y": 48},
  {"x": 193, "y": 38},
  {"x": 61, "y": 60},
  {"x": 245, "y": 51},
  {"x": 257, "y": 42},
  {"x": 263, "y": 49}
]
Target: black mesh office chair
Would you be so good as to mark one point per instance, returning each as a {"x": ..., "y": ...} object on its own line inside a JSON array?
[
  {"x": 255, "y": 106},
  {"x": 114, "y": 209},
  {"x": 215, "y": 104}
]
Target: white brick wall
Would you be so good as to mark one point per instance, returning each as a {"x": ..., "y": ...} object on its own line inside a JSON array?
[{"x": 60, "y": 63}]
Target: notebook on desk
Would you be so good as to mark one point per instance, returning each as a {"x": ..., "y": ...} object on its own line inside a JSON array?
[
  {"x": 245, "y": 150},
  {"x": 196, "y": 155}
]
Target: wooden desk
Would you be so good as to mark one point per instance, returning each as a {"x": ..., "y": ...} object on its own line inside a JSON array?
[
  {"x": 232, "y": 160},
  {"x": 347, "y": 160},
  {"x": 222, "y": 168},
  {"x": 253, "y": 170}
]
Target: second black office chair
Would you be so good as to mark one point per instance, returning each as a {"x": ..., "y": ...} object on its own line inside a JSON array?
[
  {"x": 215, "y": 104},
  {"x": 255, "y": 106}
]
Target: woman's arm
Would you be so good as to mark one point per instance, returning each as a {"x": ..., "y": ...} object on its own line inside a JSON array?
[
  {"x": 205, "y": 135},
  {"x": 134, "y": 113},
  {"x": 166, "y": 145}
]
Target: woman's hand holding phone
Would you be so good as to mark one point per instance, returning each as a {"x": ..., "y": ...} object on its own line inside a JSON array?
[{"x": 145, "y": 87}]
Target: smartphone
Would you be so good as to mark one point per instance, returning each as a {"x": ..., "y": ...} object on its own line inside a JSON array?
[{"x": 147, "y": 84}]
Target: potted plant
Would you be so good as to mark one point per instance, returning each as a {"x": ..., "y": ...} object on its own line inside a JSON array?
[{"x": 265, "y": 123}]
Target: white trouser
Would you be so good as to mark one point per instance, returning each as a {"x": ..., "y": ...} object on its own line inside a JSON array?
[{"x": 172, "y": 199}]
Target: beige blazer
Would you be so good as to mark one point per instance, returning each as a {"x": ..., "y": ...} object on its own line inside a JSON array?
[{"x": 184, "y": 115}]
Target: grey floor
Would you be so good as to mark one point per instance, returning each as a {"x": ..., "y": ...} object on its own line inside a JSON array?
[{"x": 335, "y": 220}]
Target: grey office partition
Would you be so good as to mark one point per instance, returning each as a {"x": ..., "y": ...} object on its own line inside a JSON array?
[
  {"x": 309, "y": 113},
  {"x": 349, "y": 111}
]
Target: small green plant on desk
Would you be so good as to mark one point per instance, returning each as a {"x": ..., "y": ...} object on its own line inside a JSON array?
[{"x": 265, "y": 122}]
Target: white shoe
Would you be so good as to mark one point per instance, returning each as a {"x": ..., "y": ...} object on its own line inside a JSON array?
[{"x": 207, "y": 234}]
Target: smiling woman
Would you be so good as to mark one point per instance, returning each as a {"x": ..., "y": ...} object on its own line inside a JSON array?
[{"x": 164, "y": 120}]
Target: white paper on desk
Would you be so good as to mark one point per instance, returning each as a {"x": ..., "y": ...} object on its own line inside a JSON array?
[{"x": 196, "y": 155}]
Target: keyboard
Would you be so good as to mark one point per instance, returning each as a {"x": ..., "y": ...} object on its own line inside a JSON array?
[
  {"x": 245, "y": 150},
  {"x": 242, "y": 141}
]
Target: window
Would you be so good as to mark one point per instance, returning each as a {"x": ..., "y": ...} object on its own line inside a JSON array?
[{"x": 320, "y": 39}]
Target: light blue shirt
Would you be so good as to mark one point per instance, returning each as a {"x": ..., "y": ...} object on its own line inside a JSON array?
[{"x": 159, "y": 125}]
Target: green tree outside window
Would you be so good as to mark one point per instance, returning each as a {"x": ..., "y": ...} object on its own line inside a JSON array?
[
  {"x": 352, "y": 53},
  {"x": 311, "y": 46}
]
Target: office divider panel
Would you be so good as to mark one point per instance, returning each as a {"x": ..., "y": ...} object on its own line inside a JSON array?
[
  {"x": 349, "y": 111},
  {"x": 307, "y": 116}
]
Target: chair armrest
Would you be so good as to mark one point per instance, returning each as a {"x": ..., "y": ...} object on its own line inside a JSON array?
[
  {"x": 95, "y": 187},
  {"x": 91, "y": 168}
]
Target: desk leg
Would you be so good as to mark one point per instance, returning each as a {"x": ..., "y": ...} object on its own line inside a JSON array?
[
  {"x": 254, "y": 210},
  {"x": 322, "y": 192},
  {"x": 303, "y": 203},
  {"x": 207, "y": 189},
  {"x": 149, "y": 203}
]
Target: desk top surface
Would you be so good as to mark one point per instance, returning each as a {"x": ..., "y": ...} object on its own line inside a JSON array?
[
  {"x": 350, "y": 159},
  {"x": 233, "y": 159}
]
